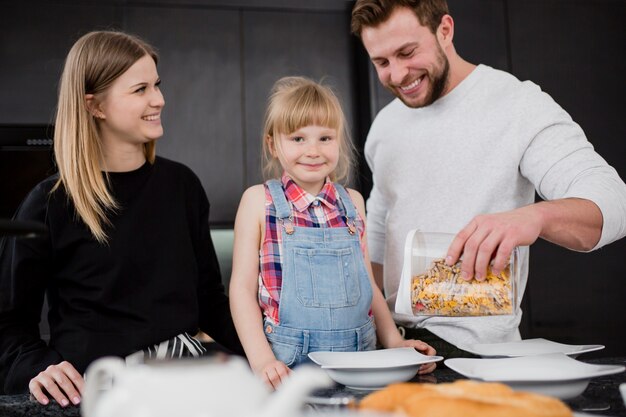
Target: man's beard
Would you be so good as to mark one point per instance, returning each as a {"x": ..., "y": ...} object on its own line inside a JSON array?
[{"x": 438, "y": 83}]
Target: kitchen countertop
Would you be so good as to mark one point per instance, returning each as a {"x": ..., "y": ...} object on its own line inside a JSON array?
[{"x": 601, "y": 397}]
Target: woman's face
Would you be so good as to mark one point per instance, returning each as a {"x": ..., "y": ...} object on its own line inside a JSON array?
[{"x": 130, "y": 109}]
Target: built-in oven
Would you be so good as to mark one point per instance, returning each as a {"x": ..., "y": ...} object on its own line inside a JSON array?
[{"x": 26, "y": 158}]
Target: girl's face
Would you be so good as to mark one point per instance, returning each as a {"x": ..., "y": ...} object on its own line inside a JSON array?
[
  {"x": 308, "y": 155},
  {"x": 130, "y": 110}
]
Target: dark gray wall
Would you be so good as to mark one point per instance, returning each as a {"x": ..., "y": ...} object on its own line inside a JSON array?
[{"x": 220, "y": 58}]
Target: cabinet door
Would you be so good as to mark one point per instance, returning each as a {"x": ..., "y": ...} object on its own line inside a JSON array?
[
  {"x": 34, "y": 42},
  {"x": 277, "y": 44},
  {"x": 570, "y": 48},
  {"x": 200, "y": 68}
]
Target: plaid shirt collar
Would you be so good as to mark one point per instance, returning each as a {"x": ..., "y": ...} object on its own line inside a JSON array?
[{"x": 301, "y": 199}]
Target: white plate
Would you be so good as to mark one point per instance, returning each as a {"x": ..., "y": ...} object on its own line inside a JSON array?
[
  {"x": 527, "y": 347},
  {"x": 552, "y": 374},
  {"x": 382, "y": 358},
  {"x": 372, "y": 369}
]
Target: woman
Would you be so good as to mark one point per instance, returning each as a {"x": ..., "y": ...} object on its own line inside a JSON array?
[{"x": 128, "y": 264}]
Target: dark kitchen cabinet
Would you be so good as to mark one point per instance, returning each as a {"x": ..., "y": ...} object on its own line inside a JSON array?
[
  {"x": 277, "y": 44},
  {"x": 573, "y": 50},
  {"x": 200, "y": 68},
  {"x": 35, "y": 39}
]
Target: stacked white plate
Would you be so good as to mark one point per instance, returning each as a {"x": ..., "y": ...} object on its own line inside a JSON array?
[{"x": 536, "y": 365}]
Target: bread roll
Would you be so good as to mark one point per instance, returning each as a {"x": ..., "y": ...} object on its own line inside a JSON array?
[{"x": 462, "y": 398}]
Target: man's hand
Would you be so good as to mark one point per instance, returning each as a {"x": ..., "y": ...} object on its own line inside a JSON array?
[
  {"x": 493, "y": 236},
  {"x": 573, "y": 223},
  {"x": 60, "y": 381}
]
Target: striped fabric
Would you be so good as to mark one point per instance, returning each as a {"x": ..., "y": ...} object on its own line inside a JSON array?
[
  {"x": 180, "y": 346},
  {"x": 323, "y": 210}
]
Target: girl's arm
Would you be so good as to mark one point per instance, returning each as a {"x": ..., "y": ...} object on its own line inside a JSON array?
[
  {"x": 386, "y": 330},
  {"x": 243, "y": 292}
]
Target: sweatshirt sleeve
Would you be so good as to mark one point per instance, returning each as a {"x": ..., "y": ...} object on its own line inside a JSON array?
[
  {"x": 23, "y": 270},
  {"x": 214, "y": 309},
  {"x": 562, "y": 163},
  {"x": 376, "y": 208}
]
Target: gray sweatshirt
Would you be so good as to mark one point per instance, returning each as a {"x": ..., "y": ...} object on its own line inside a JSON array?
[{"x": 485, "y": 147}]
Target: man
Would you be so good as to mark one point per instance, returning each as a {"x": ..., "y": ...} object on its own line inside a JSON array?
[{"x": 462, "y": 150}]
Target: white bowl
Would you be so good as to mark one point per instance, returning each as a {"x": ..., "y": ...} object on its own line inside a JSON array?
[
  {"x": 554, "y": 374},
  {"x": 371, "y": 379},
  {"x": 372, "y": 369}
]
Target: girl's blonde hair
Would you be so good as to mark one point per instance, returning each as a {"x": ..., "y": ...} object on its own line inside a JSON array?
[
  {"x": 95, "y": 61},
  {"x": 296, "y": 102}
]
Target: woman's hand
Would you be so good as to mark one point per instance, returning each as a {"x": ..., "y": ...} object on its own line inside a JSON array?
[
  {"x": 424, "y": 349},
  {"x": 61, "y": 381},
  {"x": 274, "y": 373}
]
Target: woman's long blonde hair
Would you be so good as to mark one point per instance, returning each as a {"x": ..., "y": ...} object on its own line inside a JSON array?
[
  {"x": 296, "y": 102},
  {"x": 95, "y": 61}
]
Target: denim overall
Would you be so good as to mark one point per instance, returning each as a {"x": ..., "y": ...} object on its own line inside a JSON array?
[{"x": 326, "y": 293}]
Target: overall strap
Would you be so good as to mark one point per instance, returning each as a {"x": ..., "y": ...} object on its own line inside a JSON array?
[
  {"x": 348, "y": 207},
  {"x": 283, "y": 208}
]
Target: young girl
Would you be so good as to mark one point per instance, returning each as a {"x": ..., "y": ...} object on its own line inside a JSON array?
[
  {"x": 302, "y": 280},
  {"x": 128, "y": 264}
]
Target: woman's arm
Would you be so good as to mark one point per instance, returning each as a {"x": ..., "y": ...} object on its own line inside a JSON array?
[
  {"x": 243, "y": 292},
  {"x": 26, "y": 361}
]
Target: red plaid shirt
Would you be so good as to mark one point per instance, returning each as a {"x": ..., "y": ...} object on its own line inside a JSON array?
[{"x": 308, "y": 211}]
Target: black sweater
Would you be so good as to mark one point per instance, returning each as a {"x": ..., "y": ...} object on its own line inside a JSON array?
[{"x": 157, "y": 277}]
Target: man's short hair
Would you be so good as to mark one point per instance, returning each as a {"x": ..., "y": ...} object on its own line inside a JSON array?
[{"x": 371, "y": 13}]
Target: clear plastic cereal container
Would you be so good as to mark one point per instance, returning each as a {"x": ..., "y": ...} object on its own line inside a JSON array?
[{"x": 429, "y": 287}]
